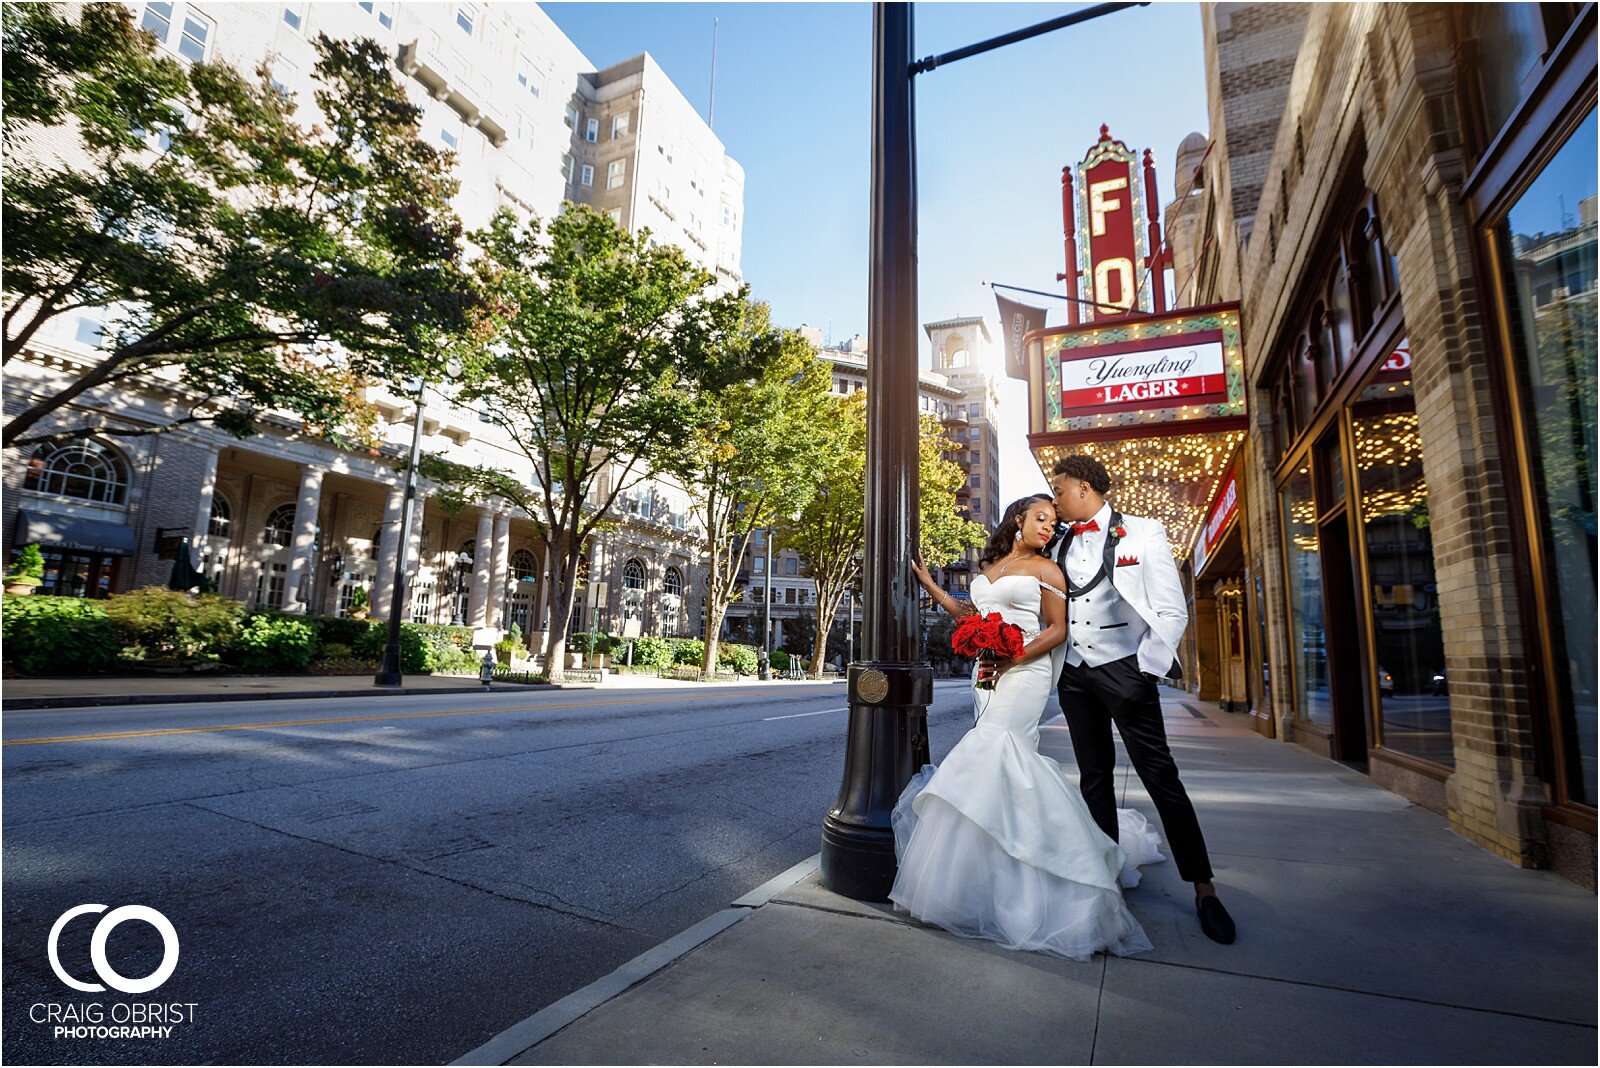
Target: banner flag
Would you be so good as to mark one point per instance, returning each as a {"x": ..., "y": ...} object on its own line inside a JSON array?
[{"x": 1015, "y": 321}]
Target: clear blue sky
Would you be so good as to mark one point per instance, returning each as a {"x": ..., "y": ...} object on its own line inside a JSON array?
[{"x": 793, "y": 99}]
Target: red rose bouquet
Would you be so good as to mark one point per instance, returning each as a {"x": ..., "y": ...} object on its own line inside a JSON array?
[{"x": 987, "y": 637}]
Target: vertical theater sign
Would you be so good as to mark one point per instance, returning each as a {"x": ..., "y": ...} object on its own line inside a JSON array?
[{"x": 1156, "y": 393}]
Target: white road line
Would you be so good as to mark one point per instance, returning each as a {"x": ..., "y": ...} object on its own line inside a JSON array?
[{"x": 797, "y": 715}]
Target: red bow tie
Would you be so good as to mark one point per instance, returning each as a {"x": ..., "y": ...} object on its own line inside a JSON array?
[{"x": 1079, "y": 528}]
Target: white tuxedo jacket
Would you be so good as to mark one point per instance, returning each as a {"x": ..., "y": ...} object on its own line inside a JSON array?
[{"x": 1149, "y": 584}]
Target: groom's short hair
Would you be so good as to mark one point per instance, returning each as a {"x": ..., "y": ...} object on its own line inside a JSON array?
[{"x": 1086, "y": 468}]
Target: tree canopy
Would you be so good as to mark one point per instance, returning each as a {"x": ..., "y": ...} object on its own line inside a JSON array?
[{"x": 265, "y": 259}]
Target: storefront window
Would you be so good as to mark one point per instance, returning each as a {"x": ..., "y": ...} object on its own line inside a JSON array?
[
  {"x": 1309, "y": 646},
  {"x": 1413, "y": 701},
  {"x": 1547, "y": 246}
]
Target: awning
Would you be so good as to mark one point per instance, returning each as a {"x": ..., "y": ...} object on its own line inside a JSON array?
[{"x": 53, "y": 531}]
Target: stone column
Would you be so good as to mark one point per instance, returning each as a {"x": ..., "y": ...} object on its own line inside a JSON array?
[
  {"x": 305, "y": 536},
  {"x": 482, "y": 558},
  {"x": 388, "y": 538},
  {"x": 202, "y": 515},
  {"x": 500, "y": 566},
  {"x": 413, "y": 559}
]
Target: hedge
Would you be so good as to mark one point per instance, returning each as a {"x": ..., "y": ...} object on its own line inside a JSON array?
[{"x": 57, "y": 635}]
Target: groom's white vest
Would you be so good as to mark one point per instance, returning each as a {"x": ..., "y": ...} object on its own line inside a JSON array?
[{"x": 1138, "y": 608}]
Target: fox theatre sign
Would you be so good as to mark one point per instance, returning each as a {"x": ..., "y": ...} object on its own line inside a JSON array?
[{"x": 1157, "y": 394}]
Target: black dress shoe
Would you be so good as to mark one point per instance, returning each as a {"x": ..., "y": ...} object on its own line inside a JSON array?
[{"x": 1215, "y": 921}]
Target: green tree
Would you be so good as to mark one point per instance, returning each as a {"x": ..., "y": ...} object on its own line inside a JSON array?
[
  {"x": 262, "y": 260},
  {"x": 830, "y": 532},
  {"x": 593, "y": 332},
  {"x": 757, "y": 448}
]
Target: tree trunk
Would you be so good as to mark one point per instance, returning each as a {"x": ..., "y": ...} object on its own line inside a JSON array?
[
  {"x": 713, "y": 639},
  {"x": 565, "y": 576}
]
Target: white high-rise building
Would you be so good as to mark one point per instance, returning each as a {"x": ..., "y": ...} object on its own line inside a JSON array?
[{"x": 532, "y": 125}]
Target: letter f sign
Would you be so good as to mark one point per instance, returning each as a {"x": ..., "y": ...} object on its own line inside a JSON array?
[{"x": 1100, "y": 207}]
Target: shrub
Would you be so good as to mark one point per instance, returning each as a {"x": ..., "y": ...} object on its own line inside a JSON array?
[
  {"x": 652, "y": 652},
  {"x": 57, "y": 635},
  {"x": 358, "y": 599},
  {"x": 578, "y": 642},
  {"x": 170, "y": 624},
  {"x": 415, "y": 650},
  {"x": 335, "y": 651},
  {"x": 688, "y": 651},
  {"x": 780, "y": 660},
  {"x": 331, "y": 630},
  {"x": 28, "y": 566},
  {"x": 741, "y": 658},
  {"x": 274, "y": 643}
]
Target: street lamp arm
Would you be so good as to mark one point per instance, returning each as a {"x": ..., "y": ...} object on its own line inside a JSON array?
[{"x": 922, "y": 66}]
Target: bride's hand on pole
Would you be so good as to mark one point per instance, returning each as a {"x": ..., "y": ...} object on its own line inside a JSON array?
[{"x": 921, "y": 572}]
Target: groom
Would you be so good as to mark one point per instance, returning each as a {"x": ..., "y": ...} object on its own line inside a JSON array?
[{"x": 1125, "y": 616}]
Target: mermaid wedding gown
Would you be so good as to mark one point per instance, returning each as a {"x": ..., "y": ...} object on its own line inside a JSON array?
[{"x": 996, "y": 843}]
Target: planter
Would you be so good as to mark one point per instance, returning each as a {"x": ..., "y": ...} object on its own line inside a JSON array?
[
  {"x": 20, "y": 588},
  {"x": 358, "y": 613}
]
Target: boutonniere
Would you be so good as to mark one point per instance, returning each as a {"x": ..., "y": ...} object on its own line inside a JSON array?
[{"x": 1119, "y": 532}]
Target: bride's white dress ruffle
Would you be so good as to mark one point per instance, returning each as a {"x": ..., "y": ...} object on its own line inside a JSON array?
[{"x": 997, "y": 843}]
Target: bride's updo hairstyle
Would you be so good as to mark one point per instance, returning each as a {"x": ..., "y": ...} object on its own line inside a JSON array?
[{"x": 1004, "y": 538}]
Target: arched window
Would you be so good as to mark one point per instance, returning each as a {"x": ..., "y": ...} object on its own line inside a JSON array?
[
  {"x": 524, "y": 568},
  {"x": 469, "y": 550},
  {"x": 377, "y": 538},
  {"x": 633, "y": 575},
  {"x": 279, "y": 530},
  {"x": 221, "y": 525},
  {"x": 84, "y": 469},
  {"x": 671, "y": 602}
]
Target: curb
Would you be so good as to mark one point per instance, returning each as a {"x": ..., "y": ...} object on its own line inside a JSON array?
[
  {"x": 24, "y": 704},
  {"x": 528, "y": 1033}
]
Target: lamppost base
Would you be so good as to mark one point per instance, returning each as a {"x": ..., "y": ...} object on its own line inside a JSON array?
[
  {"x": 387, "y": 678},
  {"x": 857, "y": 862}
]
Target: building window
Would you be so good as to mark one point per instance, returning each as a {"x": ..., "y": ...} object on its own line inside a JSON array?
[
  {"x": 422, "y": 600},
  {"x": 567, "y": 164},
  {"x": 620, "y": 125},
  {"x": 529, "y": 76},
  {"x": 789, "y": 595},
  {"x": 269, "y": 585},
  {"x": 294, "y": 16},
  {"x": 591, "y": 130},
  {"x": 466, "y": 15},
  {"x": 449, "y": 138},
  {"x": 587, "y": 175},
  {"x": 221, "y": 525},
  {"x": 157, "y": 19},
  {"x": 791, "y": 566},
  {"x": 91, "y": 331},
  {"x": 616, "y": 173},
  {"x": 84, "y": 469},
  {"x": 1407, "y": 634},
  {"x": 196, "y": 32},
  {"x": 759, "y": 565},
  {"x": 977, "y": 507},
  {"x": 571, "y": 117},
  {"x": 1546, "y": 251},
  {"x": 616, "y": 215},
  {"x": 279, "y": 529},
  {"x": 975, "y": 481},
  {"x": 76, "y": 573},
  {"x": 384, "y": 9},
  {"x": 633, "y": 576},
  {"x": 1308, "y": 649}
]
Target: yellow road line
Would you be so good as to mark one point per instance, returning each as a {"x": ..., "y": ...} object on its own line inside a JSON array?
[{"x": 116, "y": 735}]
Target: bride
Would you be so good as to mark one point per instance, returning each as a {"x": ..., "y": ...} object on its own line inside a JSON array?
[{"x": 996, "y": 843}]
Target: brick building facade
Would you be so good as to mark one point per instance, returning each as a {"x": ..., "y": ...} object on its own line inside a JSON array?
[{"x": 1412, "y": 239}]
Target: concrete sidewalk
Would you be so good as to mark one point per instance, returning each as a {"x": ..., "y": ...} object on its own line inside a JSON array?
[{"x": 1369, "y": 934}]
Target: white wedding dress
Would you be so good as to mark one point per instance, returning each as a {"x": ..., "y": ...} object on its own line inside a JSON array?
[{"x": 996, "y": 842}]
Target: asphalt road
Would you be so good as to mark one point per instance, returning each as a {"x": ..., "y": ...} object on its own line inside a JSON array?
[{"x": 394, "y": 880}]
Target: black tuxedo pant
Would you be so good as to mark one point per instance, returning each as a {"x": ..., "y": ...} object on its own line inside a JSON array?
[{"x": 1092, "y": 699}]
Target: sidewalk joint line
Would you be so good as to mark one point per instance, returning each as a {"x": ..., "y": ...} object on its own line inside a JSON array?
[
  {"x": 1099, "y": 999},
  {"x": 1364, "y": 993}
]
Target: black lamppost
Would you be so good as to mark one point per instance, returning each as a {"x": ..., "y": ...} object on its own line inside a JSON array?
[
  {"x": 890, "y": 689},
  {"x": 389, "y": 673},
  {"x": 888, "y": 692}
]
